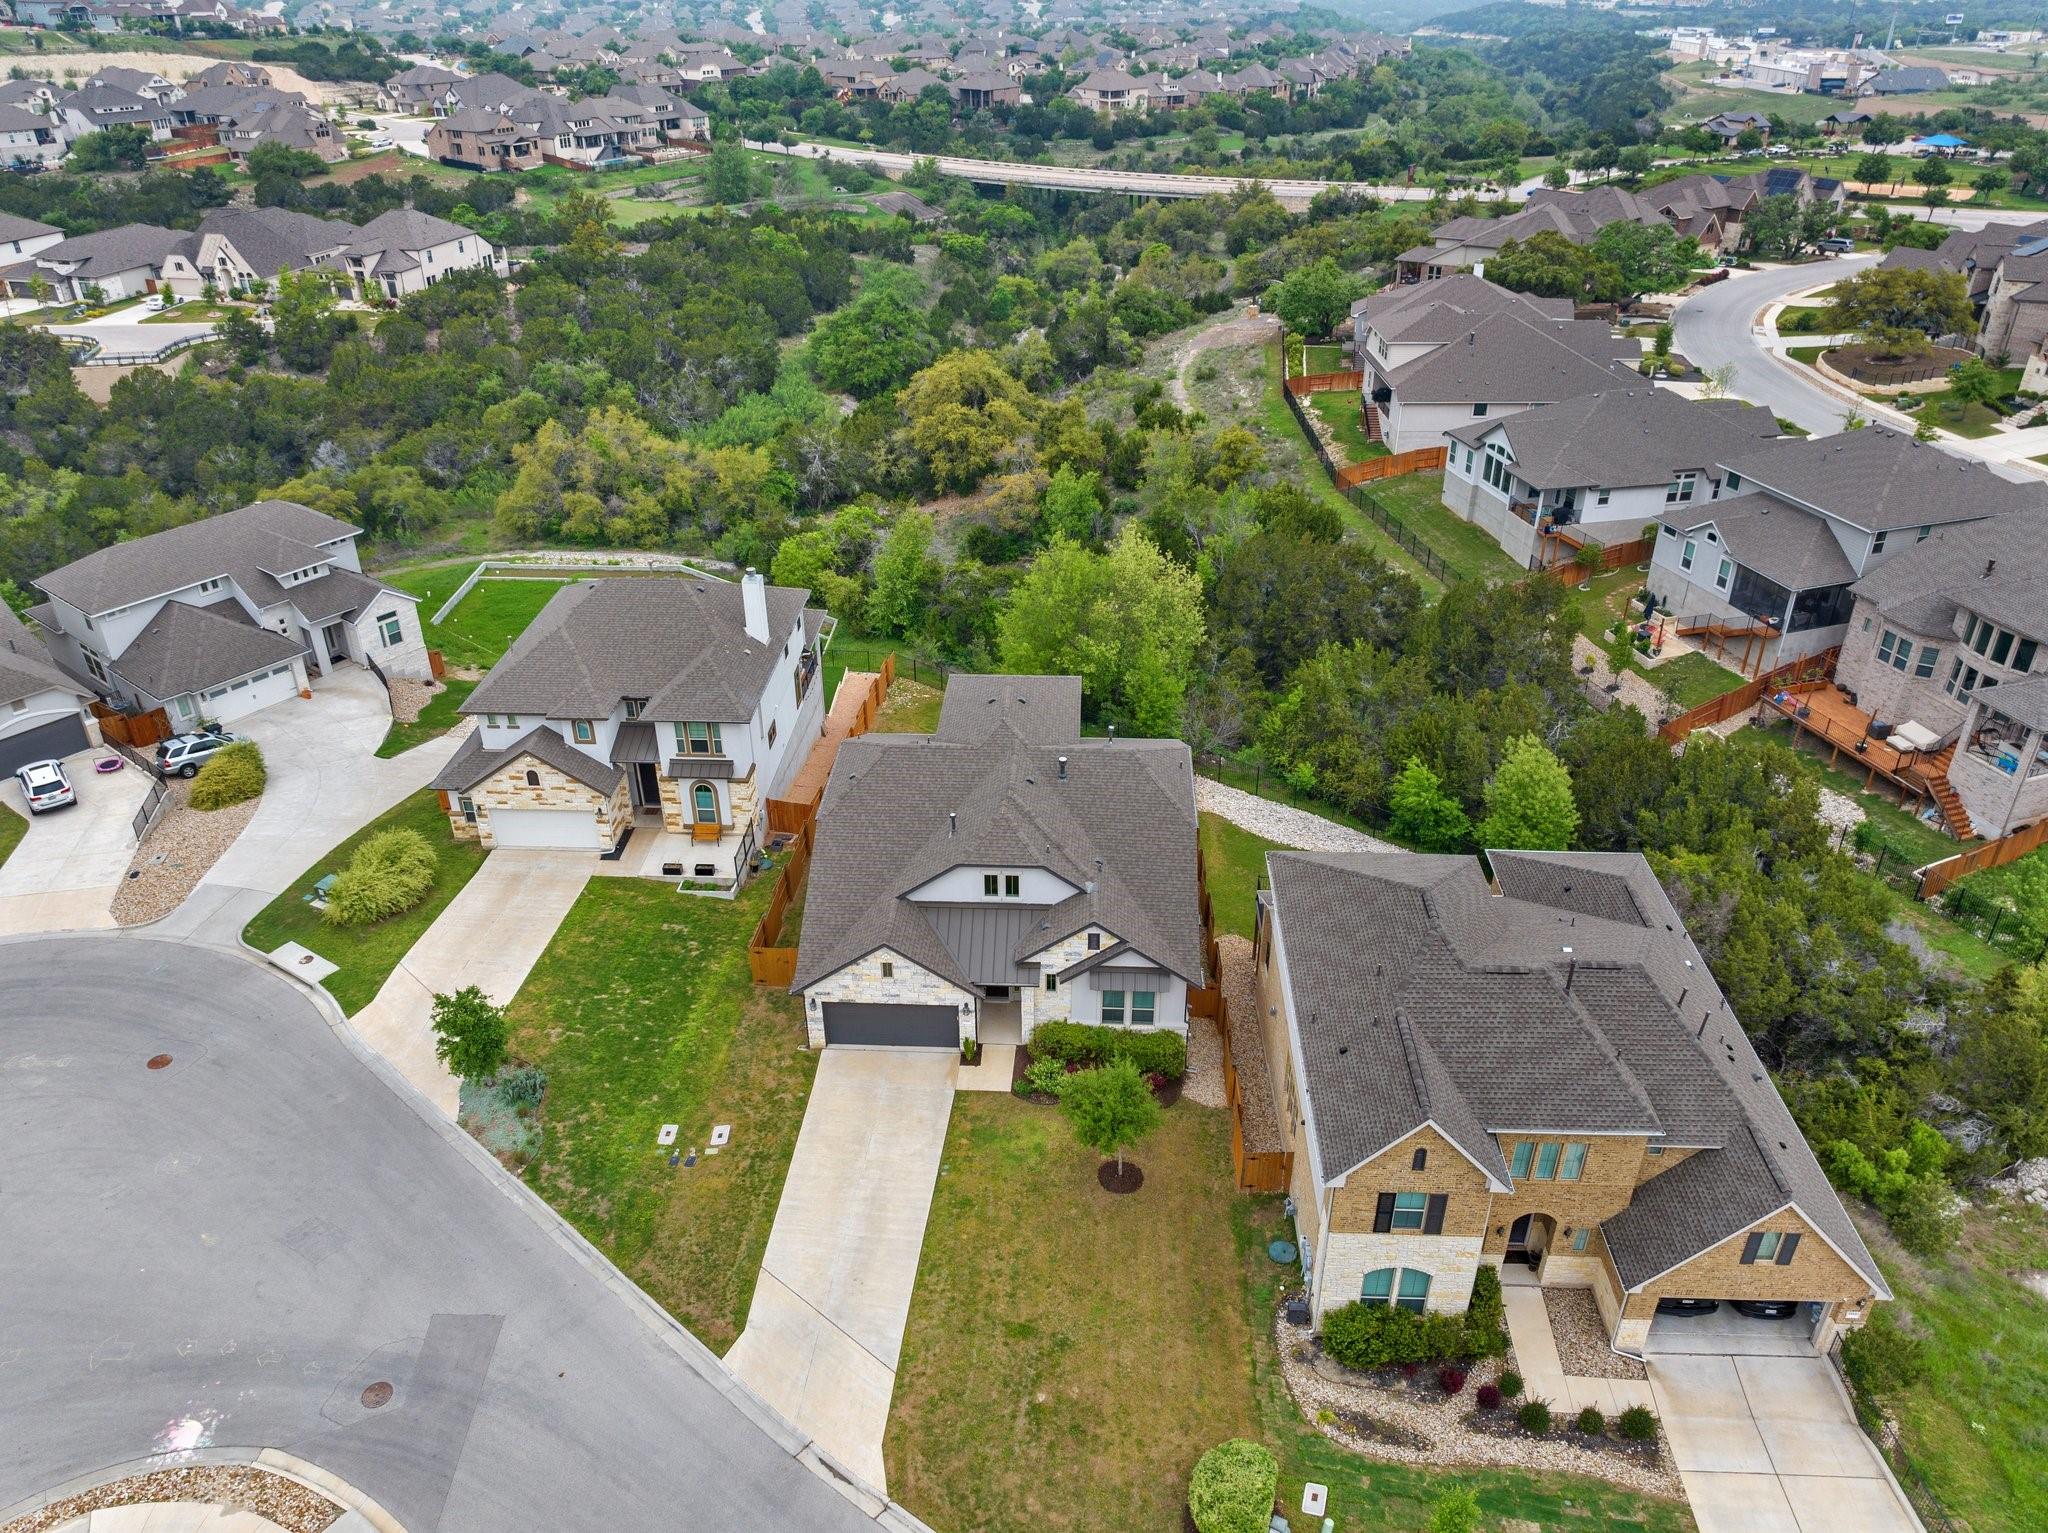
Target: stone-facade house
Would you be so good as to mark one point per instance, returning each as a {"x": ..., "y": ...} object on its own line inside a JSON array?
[
  {"x": 247, "y": 249},
  {"x": 223, "y": 616},
  {"x": 674, "y": 706},
  {"x": 1001, "y": 873},
  {"x": 403, "y": 251},
  {"x": 1110, "y": 90},
  {"x": 1536, "y": 1073},
  {"x": 1467, "y": 244},
  {"x": 483, "y": 138}
]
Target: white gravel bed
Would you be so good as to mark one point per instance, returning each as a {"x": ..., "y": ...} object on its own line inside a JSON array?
[
  {"x": 1248, "y": 1045},
  {"x": 1637, "y": 691},
  {"x": 1839, "y": 812},
  {"x": 1581, "y": 1338},
  {"x": 1430, "y": 1428},
  {"x": 175, "y": 856},
  {"x": 409, "y": 698},
  {"x": 1204, "y": 1082},
  {"x": 1281, "y": 822},
  {"x": 238, "y": 1487}
]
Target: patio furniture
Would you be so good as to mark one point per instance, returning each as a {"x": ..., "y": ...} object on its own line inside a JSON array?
[{"x": 1912, "y": 736}]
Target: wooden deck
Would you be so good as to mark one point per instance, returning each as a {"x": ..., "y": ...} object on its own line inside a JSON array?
[{"x": 1920, "y": 775}]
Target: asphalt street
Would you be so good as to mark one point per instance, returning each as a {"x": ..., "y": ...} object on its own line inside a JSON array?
[
  {"x": 1714, "y": 328},
  {"x": 226, "y": 1251}
]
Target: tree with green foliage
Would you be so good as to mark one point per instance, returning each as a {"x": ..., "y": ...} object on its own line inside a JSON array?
[
  {"x": 1529, "y": 804},
  {"x": 1456, "y": 1510},
  {"x": 1975, "y": 382},
  {"x": 1649, "y": 258},
  {"x": 1420, "y": 814},
  {"x": 1558, "y": 176},
  {"x": 125, "y": 146},
  {"x": 872, "y": 345},
  {"x": 965, "y": 413},
  {"x": 305, "y": 322},
  {"x": 1072, "y": 506},
  {"x": 1896, "y": 311},
  {"x": 1233, "y": 1487},
  {"x": 1934, "y": 177},
  {"x": 728, "y": 173},
  {"x": 470, "y": 1034},
  {"x": 1314, "y": 299},
  {"x": 1873, "y": 169},
  {"x": 2001, "y": 1061},
  {"x": 272, "y": 158},
  {"x": 1548, "y": 265},
  {"x": 237, "y": 333},
  {"x": 1619, "y": 768},
  {"x": 906, "y": 576},
  {"x": 1111, "y": 1108}
]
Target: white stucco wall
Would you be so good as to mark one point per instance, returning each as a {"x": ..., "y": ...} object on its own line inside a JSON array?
[
  {"x": 406, "y": 658},
  {"x": 963, "y": 886}
]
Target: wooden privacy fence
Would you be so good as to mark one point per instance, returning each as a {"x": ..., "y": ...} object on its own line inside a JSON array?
[
  {"x": 1612, "y": 556},
  {"x": 1937, "y": 876},
  {"x": 1419, "y": 460},
  {"x": 771, "y": 963},
  {"x": 788, "y": 816},
  {"x": 132, "y": 729},
  {"x": 1325, "y": 383},
  {"x": 1257, "y": 1171},
  {"x": 1792, "y": 676}
]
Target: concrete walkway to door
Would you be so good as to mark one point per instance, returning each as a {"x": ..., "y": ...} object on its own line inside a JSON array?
[
  {"x": 826, "y": 1328},
  {"x": 491, "y": 935}
]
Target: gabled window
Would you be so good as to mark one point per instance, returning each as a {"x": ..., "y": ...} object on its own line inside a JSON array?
[{"x": 634, "y": 705}]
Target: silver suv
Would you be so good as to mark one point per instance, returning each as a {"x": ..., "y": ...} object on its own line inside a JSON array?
[{"x": 184, "y": 755}]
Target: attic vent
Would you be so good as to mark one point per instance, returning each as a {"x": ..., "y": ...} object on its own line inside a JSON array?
[
  {"x": 1989, "y": 566},
  {"x": 1063, "y": 769},
  {"x": 1343, "y": 1048}
]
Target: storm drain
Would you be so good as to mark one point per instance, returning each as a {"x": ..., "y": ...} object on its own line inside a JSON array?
[
  {"x": 376, "y": 1395},
  {"x": 159, "y": 1061}
]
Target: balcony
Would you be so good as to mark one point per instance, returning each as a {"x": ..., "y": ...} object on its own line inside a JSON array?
[{"x": 1525, "y": 509}]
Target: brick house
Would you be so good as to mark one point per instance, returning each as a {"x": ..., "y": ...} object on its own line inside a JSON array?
[
  {"x": 1001, "y": 873},
  {"x": 1536, "y": 1073}
]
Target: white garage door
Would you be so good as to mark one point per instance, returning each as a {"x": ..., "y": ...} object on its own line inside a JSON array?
[
  {"x": 575, "y": 829},
  {"x": 231, "y": 702}
]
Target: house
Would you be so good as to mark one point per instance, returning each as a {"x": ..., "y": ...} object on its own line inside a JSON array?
[
  {"x": 1711, "y": 209},
  {"x": 122, "y": 262},
  {"x": 1978, "y": 255},
  {"x": 979, "y": 90},
  {"x": 290, "y": 123},
  {"x": 2014, "y": 321},
  {"x": 403, "y": 251},
  {"x": 675, "y": 704},
  {"x": 674, "y": 117},
  {"x": 30, "y": 138},
  {"x": 42, "y": 711},
  {"x": 1604, "y": 465},
  {"x": 415, "y": 90},
  {"x": 98, "y": 107},
  {"x": 1905, "y": 80},
  {"x": 229, "y": 72},
  {"x": 36, "y": 95},
  {"x": 1109, "y": 90},
  {"x": 237, "y": 249},
  {"x": 1535, "y": 1073},
  {"x": 1770, "y": 543},
  {"x": 483, "y": 138},
  {"x": 1439, "y": 355},
  {"x": 26, "y": 236},
  {"x": 1467, "y": 244},
  {"x": 1730, "y": 126},
  {"x": 1001, "y": 873},
  {"x": 1952, "y": 635},
  {"x": 142, "y": 82},
  {"x": 220, "y": 617}
]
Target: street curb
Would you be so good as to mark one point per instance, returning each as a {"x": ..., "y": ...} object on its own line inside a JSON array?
[{"x": 286, "y": 1466}]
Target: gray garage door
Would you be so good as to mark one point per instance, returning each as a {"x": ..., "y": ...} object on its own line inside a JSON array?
[
  {"x": 892, "y": 1026},
  {"x": 55, "y": 740}
]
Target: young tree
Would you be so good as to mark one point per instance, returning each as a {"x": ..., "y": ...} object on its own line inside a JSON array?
[
  {"x": 1072, "y": 507},
  {"x": 304, "y": 321},
  {"x": 1873, "y": 169},
  {"x": 1529, "y": 804},
  {"x": 1421, "y": 814},
  {"x": 1313, "y": 300},
  {"x": 1975, "y": 382},
  {"x": 1934, "y": 176},
  {"x": 469, "y": 1033},
  {"x": 906, "y": 576},
  {"x": 1455, "y": 1511},
  {"x": 1558, "y": 177},
  {"x": 242, "y": 337},
  {"x": 728, "y": 174},
  {"x": 1111, "y": 1108}
]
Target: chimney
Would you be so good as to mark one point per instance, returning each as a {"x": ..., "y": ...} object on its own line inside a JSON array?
[
  {"x": 1063, "y": 769},
  {"x": 754, "y": 603}
]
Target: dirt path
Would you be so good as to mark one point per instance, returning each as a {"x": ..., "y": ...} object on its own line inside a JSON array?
[{"x": 1239, "y": 330}]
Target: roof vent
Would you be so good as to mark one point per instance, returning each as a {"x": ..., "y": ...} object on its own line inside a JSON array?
[
  {"x": 1343, "y": 1048},
  {"x": 1989, "y": 566},
  {"x": 952, "y": 824},
  {"x": 1063, "y": 769}
]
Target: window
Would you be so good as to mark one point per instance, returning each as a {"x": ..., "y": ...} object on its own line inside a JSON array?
[
  {"x": 1378, "y": 1287},
  {"x": 1478, "y": 410},
  {"x": 1580, "y": 1236},
  {"x": 1052, "y": 982},
  {"x": 1734, "y": 483},
  {"x": 468, "y": 807},
  {"x": 585, "y": 735},
  {"x": 888, "y": 969},
  {"x": 2023, "y": 657},
  {"x": 634, "y": 705},
  {"x": 1924, "y": 666},
  {"x": 1518, "y": 1168},
  {"x": 1877, "y": 543},
  {"x": 1767, "y": 1246},
  {"x": 492, "y": 721},
  {"x": 1013, "y": 886},
  {"x": 1419, "y": 1161},
  {"x": 1724, "y": 574},
  {"x": 1656, "y": 1149},
  {"x": 1095, "y": 942},
  {"x": 1414, "y": 1290},
  {"x": 699, "y": 739},
  {"x": 1895, "y": 651},
  {"x": 1143, "y": 1007},
  {"x": 532, "y": 778},
  {"x": 1603, "y": 497},
  {"x": 704, "y": 803},
  {"x": 1546, "y": 1162},
  {"x": 1409, "y": 1207},
  {"x": 988, "y": 886},
  {"x": 389, "y": 630},
  {"x": 1113, "y": 1006},
  {"x": 1680, "y": 489},
  {"x": 771, "y": 734},
  {"x": 1685, "y": 559},
  {"x": 1574, "y": 1163}
]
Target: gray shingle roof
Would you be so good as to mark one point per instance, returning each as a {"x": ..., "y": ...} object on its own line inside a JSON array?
[
  {"x": 678, "y": 641},
  {"x": 273, "y": 240},
  {"x": 25, "y": 663},
  {"x": 1506, "y": 359},
  {"x": 186, "y": 648},
  {"x": 402, "y": 229},
  {"x": 1778, "y": 540},
  {"x": 1044, "y": 710},
  {"x": 1120, "y": 830},
  {"x": 1419, "y": 313},
  {"x": 1571, "y": 1000},
  {"x": 109, "y": 252},
  {"x": 14, "y": 227},
  {"x": 472, "y": 762},
  {"x": 1881, "y": 479},
  {"x": 1996, "y": 568},
  {"x": 1622, "y": 437},
  {"x": 243, "y": 543}
]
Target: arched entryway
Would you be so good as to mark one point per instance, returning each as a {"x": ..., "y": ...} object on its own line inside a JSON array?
[{"x": 1529, "y": 1237}]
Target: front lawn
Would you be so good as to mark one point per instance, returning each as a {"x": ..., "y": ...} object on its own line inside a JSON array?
[
  {"x": 368, "y": 954},
  {"x": 1416, "y": 501},
  {"x": 1806, "y": 319},
  {"x": 1970, "y": 420},
  {"x": 485, "y": 622},
  {"x": 12, "y": 828},
  {"x": 1235, "y": 860},
  {"x": 642, "y": 1012},
  {"x": 1339, "y": 410},
  {"x": 435, "y": 720}
]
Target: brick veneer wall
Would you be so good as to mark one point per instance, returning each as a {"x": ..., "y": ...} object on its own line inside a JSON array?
[
  {"x": 1603, "y": 1189},
  {"x": 1450, "y": 1262}
]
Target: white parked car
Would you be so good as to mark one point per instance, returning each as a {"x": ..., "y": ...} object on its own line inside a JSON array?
[
  {"x": 154, "y": 303},
  {"x": 45, "y": 786}
]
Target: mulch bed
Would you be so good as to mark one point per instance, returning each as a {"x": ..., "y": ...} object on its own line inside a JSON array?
[{"x": 1130, "y": 1179}]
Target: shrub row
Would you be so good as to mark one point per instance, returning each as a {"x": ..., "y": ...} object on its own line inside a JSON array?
[
  {"x": 1084, "y": 1043},
  {"x": 231, "y": 776},
  {"x": 1367, "y": 1336},
  {"x": 390, "y": 872}
]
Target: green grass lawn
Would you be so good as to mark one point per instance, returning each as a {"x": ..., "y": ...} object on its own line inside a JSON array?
[
  {"x": 911, "y": 708},
  {"x": 1687, "y": 681},
  {"x": 195, "y": 313},
  {"x": 1807, "y": 354},
  {"x": 1322, "y": 357},
  {"x": 435, "y": 720},
  {"x": 642, "y": 1012},
  {"x": 1339, "y": 411},
  {"x": 489, "y": 618},
  {"x": 1416, "y": 502},
  {"x": 1693, "y": 679},
  {"x": 368, "y": 954},
  {"x": 1970, "y": 420},
  {"x": 12, "y": 828},
  {"x": 1805, "y": 319},
  {"x": 1014, "y": 1404},
  {"x": 1235, "y": 860}
]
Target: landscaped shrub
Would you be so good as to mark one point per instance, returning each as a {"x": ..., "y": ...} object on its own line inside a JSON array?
[
  {"x": 1636, "y": 1424},
  {"x": 1534, "y": 1416},
  {"x": 1232, "y": 1488},
  {"x": 231, "y": 776},
  {"x": 1489, "y": 1397},
  {"x": 1591, "y": 1422},
  {"x": 525, "y": 1086},
  {"x": 1367, "y": 1336},
  {"x": 1881, "y": 1359},
  {"x": 1486, "y": 1317},
  {"x": 1042, "y": 1077},
  {"x": 1083, "y": 1043},
  {"x": 1450, "y": 1378},
  {"x": 390, "y": 872},
  {"x": 1510, "y": 1383}
]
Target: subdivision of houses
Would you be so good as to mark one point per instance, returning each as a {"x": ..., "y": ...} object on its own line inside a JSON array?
[
  {"x": 667, "y": 709},
  {"x": 1533, "y": 1071},
  {"x": 1467, "y": 244},
  {"x": 226, "y": 615},
  {"x": 1001, "y": 873}
]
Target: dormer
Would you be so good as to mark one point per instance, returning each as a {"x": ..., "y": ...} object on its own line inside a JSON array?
[{"x": 993, "y": 884}]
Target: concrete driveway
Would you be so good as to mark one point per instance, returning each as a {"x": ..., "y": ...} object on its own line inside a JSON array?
[
  {"x": 826, "y": 1328},
  {"x": 223, "y": 1253},
  {"x": 63, "y": 875},
  {"x": 1770, "y": 1445},
  {"x": 491, "y": 935}
]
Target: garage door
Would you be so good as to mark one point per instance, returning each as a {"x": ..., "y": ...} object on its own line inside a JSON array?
[
  {"x": 887, "y": 1025},
  {"x": 231, "y": 702},
  {"x": 574, "y": 829},
  {"x": 46, "y": 742}
]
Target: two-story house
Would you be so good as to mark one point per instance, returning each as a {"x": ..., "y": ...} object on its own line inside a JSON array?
[
  {"x": 220, "y": 617},
  {"x": 403, "y": 251},
  {"x": 676, "y": 706},
  {"x": 237, "y": 249},
  {"x": 1467, "y": 244},
  {"x": 42, "y": 710},
  {"x": 1537, "y": 1073},
  {"x": 1603, "y": 466},
  {"x": 1000, "y": 873},
  {"x": 1951, "y": 639},
  {"x": 29, "y": 138},
  {"x": 1773, "y": 539}
]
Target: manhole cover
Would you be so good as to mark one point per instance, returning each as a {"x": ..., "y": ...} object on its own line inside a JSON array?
[
  {"x": 158, "y": 1061},
  {"x": 377, "y": 1394}
]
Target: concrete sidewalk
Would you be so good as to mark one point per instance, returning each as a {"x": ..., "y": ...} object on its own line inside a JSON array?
[
  {"x": 491, "y": 935},
  {"x": 826, "y": 1328},
  {"x": 1543, "y": 1375}
]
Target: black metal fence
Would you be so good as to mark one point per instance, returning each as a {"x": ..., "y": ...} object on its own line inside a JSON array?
[
  {"x": 151, "y": 810},
  {"x": 1391, "y": 525}
]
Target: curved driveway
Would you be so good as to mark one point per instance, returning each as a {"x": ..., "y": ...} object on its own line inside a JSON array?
[{"x": 225, "y": 1252}]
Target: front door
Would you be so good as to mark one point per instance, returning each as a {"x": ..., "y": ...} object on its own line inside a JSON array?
[
  {"x": 1518, "y": 1243},
  {"x": 332, "y": 640},
  {"x": 646, "y": 785}
]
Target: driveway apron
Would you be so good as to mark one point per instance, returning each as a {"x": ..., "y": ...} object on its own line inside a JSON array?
[
  {"x": 63, "y": 875},
  {"x": 825, "y": 1333}
]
